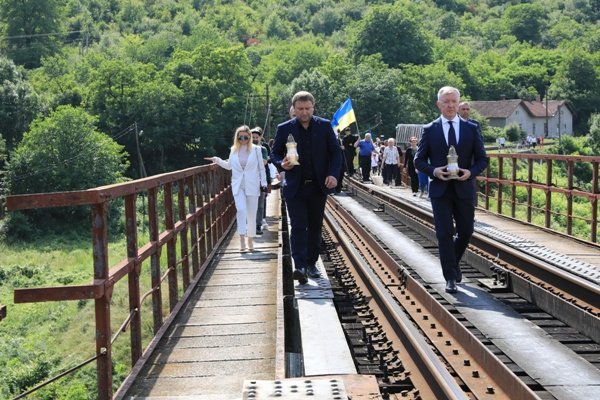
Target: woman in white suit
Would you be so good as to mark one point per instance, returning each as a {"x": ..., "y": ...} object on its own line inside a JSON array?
[{"x": 247, "y": 178}]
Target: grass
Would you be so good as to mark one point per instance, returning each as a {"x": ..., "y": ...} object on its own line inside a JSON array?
[{"x": 39, "y": 340}]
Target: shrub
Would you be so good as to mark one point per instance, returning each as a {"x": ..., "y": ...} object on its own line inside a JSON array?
[{"x": 63, "y": 152}]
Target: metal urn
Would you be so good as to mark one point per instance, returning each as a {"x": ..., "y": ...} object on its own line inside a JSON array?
[
  {"x": 452, "y": 163},
  {"x": 292, "y": 150}
]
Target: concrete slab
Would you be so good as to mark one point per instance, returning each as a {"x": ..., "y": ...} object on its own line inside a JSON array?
[{"x": 324, "y": 346}]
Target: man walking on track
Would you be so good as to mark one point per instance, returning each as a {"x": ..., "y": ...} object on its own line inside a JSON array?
[
  {"x": 452, "y": 197},
  {"x": 308, "y": 183}
]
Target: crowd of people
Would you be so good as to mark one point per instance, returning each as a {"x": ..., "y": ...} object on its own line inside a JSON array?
[{"x": 323, "y": 157}]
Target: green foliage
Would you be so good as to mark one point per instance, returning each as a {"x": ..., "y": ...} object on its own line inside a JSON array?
[
  {"x": 33, "y": 28},
  {"x": 514, "y": 134},
  {"x": 18, "y": 102},
  {"x": 395, "y": 33},
  {"x": 577, "y": 80},
  {"x": 525, "y": 21},
  {"x": 63, "y": 152},
  {"x": 286, "y": 63},
  {"x": 594, "y": 138}
]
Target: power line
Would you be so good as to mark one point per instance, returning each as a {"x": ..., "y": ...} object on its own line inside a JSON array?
[
  {"x": 39, "y": 35},
  {"x": 118, "y": 135}
]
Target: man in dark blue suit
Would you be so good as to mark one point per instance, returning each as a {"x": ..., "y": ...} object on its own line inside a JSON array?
[
  {"x": 464, "y": 112},
  {"x": 452, "y": 199},
  {"x": 307, "y": 185}
]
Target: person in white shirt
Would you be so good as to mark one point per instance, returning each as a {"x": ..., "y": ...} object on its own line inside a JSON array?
[
  {"x": 247, "y": 178},
  {"x": 390, "y": 162}
]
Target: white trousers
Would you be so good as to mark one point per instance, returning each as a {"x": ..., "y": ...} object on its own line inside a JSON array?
[{"x": 246, "y": 207}]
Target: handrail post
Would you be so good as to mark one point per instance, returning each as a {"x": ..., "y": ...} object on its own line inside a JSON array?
[
  {"x": 133, "y": 278},
  {"x": 155, "y": 259},
  {"x": 594, "y": 201},
  {"x": 548, "y": 210},
  {"x": 194, "y": 225},
  {"x": 570, "y": 197},
  {"x": 102, "y": 304},
  {"x": 201, "y": 204},
  {"x": 529, "y": 189},
  {"x": 171, "y": 246},
  {"x": 513, "y": 187},
  {"x": 500, "y": 177},
  {"x": 185, "y": 264},
  {"x": 487, "y": 186}
]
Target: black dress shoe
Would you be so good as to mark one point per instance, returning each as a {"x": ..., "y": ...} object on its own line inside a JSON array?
[
  {"x": 459, "y": 276},
  {"x": 259, "y": 231},
  {"x": 451, "y": 286},
  {"x": 300, "y": 275},
  {"x": 313, "y": 272}
]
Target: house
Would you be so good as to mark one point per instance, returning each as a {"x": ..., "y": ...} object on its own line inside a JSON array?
[{"x": 530, "y": 116}]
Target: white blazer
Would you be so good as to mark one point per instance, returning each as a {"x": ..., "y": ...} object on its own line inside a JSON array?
[{"x": 253, "y": 175}]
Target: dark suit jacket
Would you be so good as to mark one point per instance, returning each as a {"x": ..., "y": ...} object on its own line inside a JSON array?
[
  {"x": 324, "y": 152},
  {"x": 432, "y": 152}
]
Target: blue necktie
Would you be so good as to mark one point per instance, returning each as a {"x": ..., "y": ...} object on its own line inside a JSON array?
[{"x": 451, "y": 135}]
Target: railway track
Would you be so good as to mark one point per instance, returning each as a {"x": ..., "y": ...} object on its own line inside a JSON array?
[{"x": 415, "y": 341}]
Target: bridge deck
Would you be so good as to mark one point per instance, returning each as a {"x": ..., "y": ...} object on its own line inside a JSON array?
[
  {"x": 521, "y": 233},
  {"x": 228, "y": 330}
]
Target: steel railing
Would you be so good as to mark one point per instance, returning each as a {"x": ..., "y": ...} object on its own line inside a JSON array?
[
  {"x": 509, "y": 171},
  {"x": 199, "y": 220}
]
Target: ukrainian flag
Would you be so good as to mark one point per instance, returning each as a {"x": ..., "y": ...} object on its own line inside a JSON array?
[{"x": 344, "y": 116}]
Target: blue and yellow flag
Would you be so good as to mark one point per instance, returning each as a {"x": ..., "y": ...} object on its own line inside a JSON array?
[{"x": 344, "y": 116}]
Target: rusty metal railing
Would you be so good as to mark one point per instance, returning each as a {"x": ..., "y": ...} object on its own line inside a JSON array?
[
  {"x": 513, "y": 171},
  {"x": 205, "y": 212}
]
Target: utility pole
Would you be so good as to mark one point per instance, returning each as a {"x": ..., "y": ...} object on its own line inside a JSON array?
[
  {"x": 137, "y": 146},
  {"x": 546, "y": 128},
  {"x": 558, "y": 111},
  {"x": 266, "y": 130}
]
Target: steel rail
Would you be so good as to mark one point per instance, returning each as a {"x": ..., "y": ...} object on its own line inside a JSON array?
[
  {"x": 482, "y": 372},
  {"x": 428, "y": 372},
  {"x": 582, "y": 293}
]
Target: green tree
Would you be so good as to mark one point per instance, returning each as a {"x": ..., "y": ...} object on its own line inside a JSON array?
[
  {"x": 18, "y": 102},
  {"x": 377, "y": 96},
  {"x": 594, "y": 137},
  {"x": 514, "y": 134},
  {"x": 64, "y": 152},
  {"x": 577, "y": 80},
  {"x": 33, "y": 29},
  {"x": 287, "y": 62},
  {"x": 320, "y": 86},
  {"x": 525, "y": 21},
  {"x": 214, "y": 82},
  {"x": 326, "y": 21},
  {"x": 395, "y": 33}
]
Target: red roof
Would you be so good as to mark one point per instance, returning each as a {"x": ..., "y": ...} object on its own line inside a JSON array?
[{"x": 496, "y": 109}]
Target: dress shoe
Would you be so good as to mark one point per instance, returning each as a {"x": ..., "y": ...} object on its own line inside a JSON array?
[
  {"x": 300, "y": 275},
  {"x": 459, "y": 276},
  {"x": 451, "y": 286},
  {"x": 313, "y": 272},
  {"x": 259, "y": 231}
]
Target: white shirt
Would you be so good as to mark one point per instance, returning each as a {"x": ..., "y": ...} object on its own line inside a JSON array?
[{"x": 446, "y": 127}]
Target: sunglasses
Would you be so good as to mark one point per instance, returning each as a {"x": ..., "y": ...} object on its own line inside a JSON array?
[{"x": 243, "y": 138}]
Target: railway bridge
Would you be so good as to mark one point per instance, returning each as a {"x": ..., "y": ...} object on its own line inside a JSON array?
[{"x": 377, "y": 324}]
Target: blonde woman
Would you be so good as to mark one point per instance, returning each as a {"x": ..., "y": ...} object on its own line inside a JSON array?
[{"x": 247, "y": 178}]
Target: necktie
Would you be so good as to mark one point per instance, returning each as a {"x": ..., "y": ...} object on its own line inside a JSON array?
[{"x": 451, "y": 135}]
